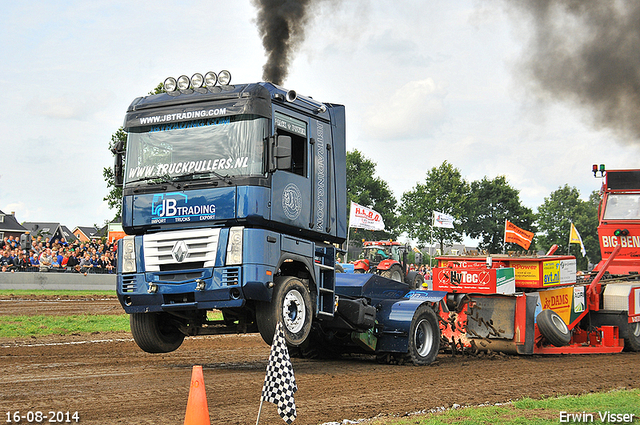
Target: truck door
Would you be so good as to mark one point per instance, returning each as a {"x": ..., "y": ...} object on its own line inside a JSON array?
[{"x": 291, "y": 188}]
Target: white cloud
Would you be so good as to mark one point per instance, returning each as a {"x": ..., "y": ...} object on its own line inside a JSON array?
[{"x": 413, "y": 110}]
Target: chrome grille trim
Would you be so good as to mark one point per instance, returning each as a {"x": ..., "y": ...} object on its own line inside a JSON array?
[{"x": 202, "y": 245}]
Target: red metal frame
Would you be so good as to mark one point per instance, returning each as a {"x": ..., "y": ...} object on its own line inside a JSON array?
[
  {"x": 603, "y": 340},
  {"x": 594, "y": 289},
  {"x": 629, "y": 258}
]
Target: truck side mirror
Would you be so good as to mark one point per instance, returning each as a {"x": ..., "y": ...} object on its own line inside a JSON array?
[
  {"x": 118, "y": 175},
  {"x": 282, "y": 153}
]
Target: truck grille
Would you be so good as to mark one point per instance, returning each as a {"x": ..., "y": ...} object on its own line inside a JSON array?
[
  {"x": 128, "y": 283},
  {"x": 230, "y": 276},
  {"x": 195, "y": 248}
]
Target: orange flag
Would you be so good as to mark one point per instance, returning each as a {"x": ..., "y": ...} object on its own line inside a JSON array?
[{"x": 514, "y": 234}]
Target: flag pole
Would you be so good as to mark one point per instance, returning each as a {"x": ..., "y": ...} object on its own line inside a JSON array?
[
  {"x": 346, "y": 254},
  {"x": 504, "y": 241},
  {"x": 433, "y": 222},
  {"x": 259, "y": 411}
]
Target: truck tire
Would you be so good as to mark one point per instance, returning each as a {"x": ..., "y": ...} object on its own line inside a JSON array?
[
  {"x": 155, "y": 332},
  {"x": 424, "y": 336},
  {"x": 632, "y": 341},
  {"x": 394, "y": 273},
  {"x": 553, "y": 328},
  {"x": 290, "y": 304},
  {"x": 415, "y": 280}
]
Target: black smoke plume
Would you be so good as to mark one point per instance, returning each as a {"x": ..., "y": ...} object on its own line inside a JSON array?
[
  {"x": 587, "y": 53},
  {"x": 281, "y": 24}
]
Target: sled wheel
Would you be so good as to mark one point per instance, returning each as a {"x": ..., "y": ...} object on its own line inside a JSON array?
[
  {"x": 415, "y": 280},
  {"x": 339, "y": 268},
  {"x": 394, "y": 273},
  {"x": 553, "y": 328},
  {"x": 155, "y": 332},
  {"x": 424, "y": 336},
  {"x": 632, "y": 341},
  {"x": 291, "y": 305}
]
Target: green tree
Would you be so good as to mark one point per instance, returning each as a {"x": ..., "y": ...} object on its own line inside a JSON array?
[
  {"x": 554, "y": 218},
  {"x": 445, "y": 191},
  {"x": 364, "y": 188},
  {"x": 490, "y": 203},
  {"x": 114, "y": 197}
]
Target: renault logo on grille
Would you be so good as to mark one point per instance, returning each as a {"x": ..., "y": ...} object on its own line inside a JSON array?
[{"x": 180, "y": 251}]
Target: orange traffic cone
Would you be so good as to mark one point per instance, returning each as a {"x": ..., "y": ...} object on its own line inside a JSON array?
[{"x": 197, "y": 408}]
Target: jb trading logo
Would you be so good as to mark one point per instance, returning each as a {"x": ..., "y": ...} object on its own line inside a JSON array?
[
  {"x": 175, "y": 205},
  {"x": 165, "y": 206}
]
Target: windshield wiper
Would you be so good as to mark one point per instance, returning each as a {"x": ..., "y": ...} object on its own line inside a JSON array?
[
  {"x": 165, "y": 178},
  {"x": 192, "y": 176}
]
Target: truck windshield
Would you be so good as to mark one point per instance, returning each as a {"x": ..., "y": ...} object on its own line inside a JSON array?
[
  {"x": 622, "y": 206},
  {"x": 224, "y": 146}
]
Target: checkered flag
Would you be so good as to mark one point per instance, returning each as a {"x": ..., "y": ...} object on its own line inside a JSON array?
[{"x": 280, "y": 382}]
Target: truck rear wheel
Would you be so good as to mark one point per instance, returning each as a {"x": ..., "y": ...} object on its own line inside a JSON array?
[
  {"x": 424, "y": 336},
  {"x": 290, "y": 304},
  {"x": 632, "y": 341},
  {"x": 155, "y": 332},
  {"x": 394, "y": 273},
  {"x": 553, "y": 328}
]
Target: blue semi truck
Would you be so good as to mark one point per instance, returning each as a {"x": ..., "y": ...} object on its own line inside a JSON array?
[{"x": 234, "y": 200}]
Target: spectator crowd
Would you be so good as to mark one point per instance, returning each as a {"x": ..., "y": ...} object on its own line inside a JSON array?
[{"x": 41, "y": 254}]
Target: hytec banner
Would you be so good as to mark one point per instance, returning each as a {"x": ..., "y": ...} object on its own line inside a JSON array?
[
  {"x": 442, "y": 220},
  {"x": 574, "y": 237},
  {"x": 365, "y": 218},
  {"x": 471, "y": 280},
  {"x": 514, "y": 234}
]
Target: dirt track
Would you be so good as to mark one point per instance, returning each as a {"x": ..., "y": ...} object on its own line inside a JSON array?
[{"x": 108, "y": 380}]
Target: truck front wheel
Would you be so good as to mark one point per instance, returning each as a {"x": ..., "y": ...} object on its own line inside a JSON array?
[
  {"x": 155, "y": 332},
  {"x": 632, "y": 341},
  {"x": 424, "y": 337},
  {"x": 290, "y": 304}
]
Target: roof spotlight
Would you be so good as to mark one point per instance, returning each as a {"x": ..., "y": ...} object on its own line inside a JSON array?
[
  {"x": 170, "y": 84},
  {"x": 224, "y": 78},
  {"x": 210, "y": 79},
  {"x": 183, "y": 82},
  {"x": 197, "y": 80}
]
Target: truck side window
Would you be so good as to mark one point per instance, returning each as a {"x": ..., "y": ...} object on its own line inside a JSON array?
[
  {"x": 298, "y": 154},
  {"x": 297, "y": 130}
]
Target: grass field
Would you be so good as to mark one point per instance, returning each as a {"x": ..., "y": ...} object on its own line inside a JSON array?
[
  {"x": 42, "y": 292},
  {"x": 617, "y": 407},
  {"x": 41, "y": 325}
]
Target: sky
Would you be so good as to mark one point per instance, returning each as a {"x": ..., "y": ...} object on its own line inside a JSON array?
[{"x": 422, "y": 82}]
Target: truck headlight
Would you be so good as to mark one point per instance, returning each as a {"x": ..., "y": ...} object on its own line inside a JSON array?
[
  {"x": 234, "y": 246},
  {"x": 128, "y": 254}
]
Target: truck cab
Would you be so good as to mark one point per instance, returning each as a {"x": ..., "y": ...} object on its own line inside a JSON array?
[
  {"x": 619, "y": 220},
  {"x": 233, "y": 200}
]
